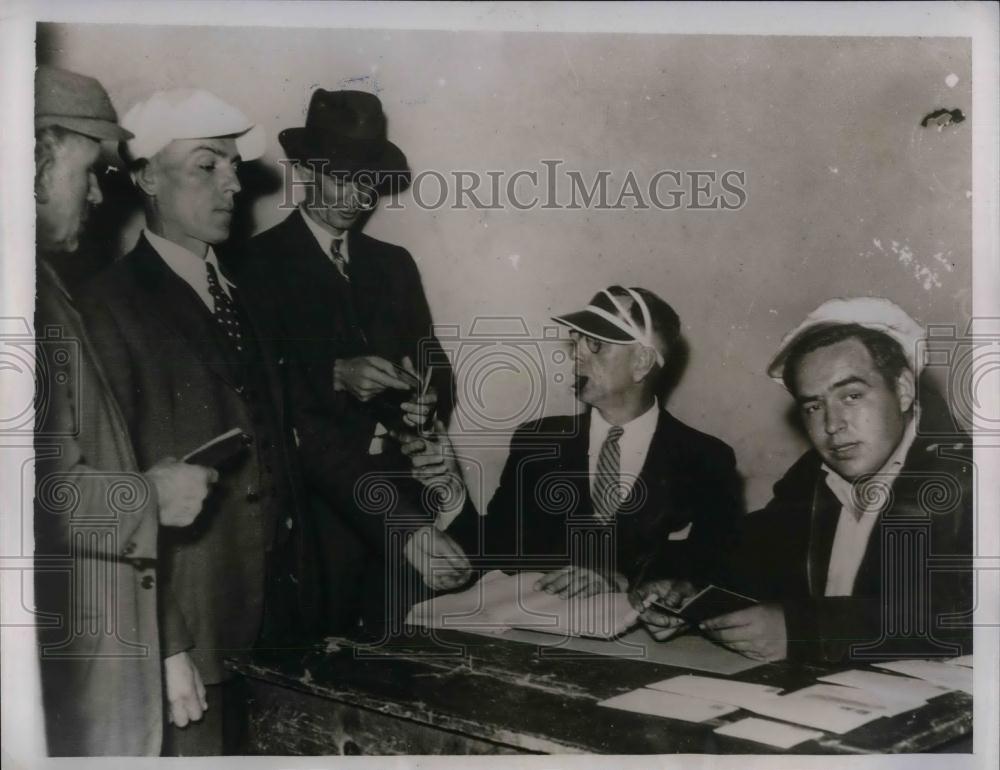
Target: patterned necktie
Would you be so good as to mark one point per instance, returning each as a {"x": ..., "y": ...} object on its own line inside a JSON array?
[
  {"x": 225, "y": 310},
  {"x": 339, "y": 260},
  {"x": 606, "y": 493}
]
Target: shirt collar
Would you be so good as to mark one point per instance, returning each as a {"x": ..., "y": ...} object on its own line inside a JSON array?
[
  {"x": 844, "y": 489},
  {"x": 644, "y": 423},
  {"x": 186, "y": 264},
  {"x": 325, "y": 238}
]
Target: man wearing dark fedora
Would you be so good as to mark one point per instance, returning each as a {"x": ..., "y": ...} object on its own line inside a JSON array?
[
  {"x": 354, "y": 323},
  {"x": 97, "y": 515}
]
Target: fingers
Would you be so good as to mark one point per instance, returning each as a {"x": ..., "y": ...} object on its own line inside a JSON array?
[
  {"x": 662, "y": 634},
  {"x": 553, "y": 582},
  {"x": 656, "y": 617},
  {"x": 385, "y": 373},
  {"x": 199, "y": 687},
  {"x": 730, "y": 620}
]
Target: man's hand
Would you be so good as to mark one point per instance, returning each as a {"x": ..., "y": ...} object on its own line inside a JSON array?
[
  {"x": 432, "y": 456},
  {"x": 440, "y": 561},
  {"x": 671, "y": 593},
  {"x": 579, "y": 581},
  {"x": 364, "y": 377},
  {"x": 181, "y": 489},
  {"x": 185, "y": 691},
  {"x": 758, "y": 632},
  {"x": 417, "y": 412}
]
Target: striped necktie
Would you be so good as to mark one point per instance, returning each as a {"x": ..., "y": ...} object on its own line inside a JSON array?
[
  {"x": 339, "y": 260},
  {"x": 606, "y": 494}
]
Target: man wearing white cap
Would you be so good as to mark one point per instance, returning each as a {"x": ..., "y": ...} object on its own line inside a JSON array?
[
  {"x": 667, "y": 494},
  {"x": 840, "y": 557},
  {"x": 185, "y": 362},
  {"x": 97, "y": 515}
]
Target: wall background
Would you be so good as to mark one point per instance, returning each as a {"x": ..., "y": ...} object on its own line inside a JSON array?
[{"x": 847, "y": 194}]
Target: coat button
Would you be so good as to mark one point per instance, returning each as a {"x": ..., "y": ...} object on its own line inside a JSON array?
[
  {"x": 289, "y": 523},
  {"x": 147, "y": 581}
]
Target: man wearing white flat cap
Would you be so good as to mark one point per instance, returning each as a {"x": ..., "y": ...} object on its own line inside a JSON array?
[
  {"x": 840, "y": 559},
  {"x": 667, "y": 495},
  {"x": 187, "y": 366}
]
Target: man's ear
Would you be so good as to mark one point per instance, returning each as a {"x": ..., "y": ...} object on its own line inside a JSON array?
[
  {"x": 145, "y": 178},
  {"x": 43, "y": 178},
  {"x": 642, "y": 363},
  {"x": 906, "y": 390}
]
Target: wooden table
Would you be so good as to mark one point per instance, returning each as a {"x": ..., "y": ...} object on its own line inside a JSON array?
[{"x": 459, "y": 693}]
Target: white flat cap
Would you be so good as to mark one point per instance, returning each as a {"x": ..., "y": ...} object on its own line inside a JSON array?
[
  {"x": 877, "y": 313},
  {"x": 188, "y": 113}
]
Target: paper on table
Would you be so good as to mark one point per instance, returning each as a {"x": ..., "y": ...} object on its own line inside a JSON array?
[
  {"x": 764, "y": 700},
  {"x": 854, "y": 696},
  {"x": 765, "y": 731},
  {"x": 962, "y": 660},
  {"x": 952, "y": 677},
  {"x": 888, "y": 685},
  {"x": 741, "y": 694},
  {"x": 668, "y": 704},
  {"x": 499, "y": 602}
]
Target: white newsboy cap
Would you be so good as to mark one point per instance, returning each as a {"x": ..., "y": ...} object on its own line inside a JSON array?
[
  {"x": 188, "y": 113},
  {"x": 877, "y": 313}
]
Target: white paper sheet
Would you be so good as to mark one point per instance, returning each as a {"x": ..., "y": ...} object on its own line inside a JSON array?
[
  {"x": 742, "y": 694},
  {"x": 952, "y": 677},
  {"x": 766, "y": 701},
  {"x": 963, "y": 660},
  {"x": 888, "y": 685},
  {"x": 499, "y": 602},
  {"x": 854, "y": 696},
  {"x": 765, "y": 731},
  {"x": 668, "y": 704}
]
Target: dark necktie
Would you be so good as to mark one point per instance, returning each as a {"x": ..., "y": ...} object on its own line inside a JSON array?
[
  {"x": 606, "y": 494},
  {"x": 225, "y": 310},
  {"x": 339, "y": 260}
]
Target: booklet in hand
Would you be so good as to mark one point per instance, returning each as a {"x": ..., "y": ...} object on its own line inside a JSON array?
[
  {"x": 386, "y": 407},
  {"x": 709, "y": 602},
  {"x": 219, "y": 450}
]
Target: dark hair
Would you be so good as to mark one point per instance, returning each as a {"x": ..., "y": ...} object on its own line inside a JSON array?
[
  {"x": 666, "y": 324},
  {"x": 886, "y": 353}
]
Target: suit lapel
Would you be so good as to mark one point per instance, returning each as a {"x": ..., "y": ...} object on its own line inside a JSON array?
[
  {"x": 181, "y": 309},
  {"x": 822, "y": 529}
]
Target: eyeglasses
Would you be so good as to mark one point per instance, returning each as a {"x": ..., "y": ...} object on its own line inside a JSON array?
[{"x": 594, "y": 345}]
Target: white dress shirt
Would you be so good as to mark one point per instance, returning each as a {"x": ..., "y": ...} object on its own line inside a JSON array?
[
  {"x": 325, "y": 238},
  {"x": 633, "y": 445},
  {"x": 190, "y": 267},
  {"x": 856, "y": 521}
]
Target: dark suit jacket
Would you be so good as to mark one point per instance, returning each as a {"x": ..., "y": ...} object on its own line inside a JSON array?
[
  {"x": 899, "y": 604},
  {"x": 689, "y": 478},
  {"x": 96, "y": 531},
  {"x": 315, "y": 317},
  {"x": 180, "y": 384}
]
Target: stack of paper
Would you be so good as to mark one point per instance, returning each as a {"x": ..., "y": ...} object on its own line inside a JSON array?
[
  {"x": 499, "y": 602},
  {"x": 936, "y": 672},
  {"x": 834, "y": 714}
]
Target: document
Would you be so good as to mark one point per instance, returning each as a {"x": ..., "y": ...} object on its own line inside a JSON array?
[
  {"x": 767, "y": 701},
  {"x": 765, "y": 731},
  {"x": 944, "y": 674},
  {"x": 742, "y": 694},
  {"x": 853, "y": 696},
  {"x": 886, "y": 685},
  {"x": 499, "y": 602},
  {"x": 668, "y": 704},
  {"x": 963, "y": 660}
]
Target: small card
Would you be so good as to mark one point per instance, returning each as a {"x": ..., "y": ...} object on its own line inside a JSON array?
[
  {"x": 823, "y": 715},
  {"x": 668, "y": 704},
  {"x": 963, "y": 660},
  {"x": 767, "y": 732},
  {"x": 219, "y": 450},
  {"x": 887, "y": 685},
  {"x": 936, "y": 672},
  {"x": 709, "y": 602}
]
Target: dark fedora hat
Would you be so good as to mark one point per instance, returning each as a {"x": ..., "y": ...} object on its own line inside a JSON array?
[
  {"x": 76, "y": 102},
  {"x": 345, "y": 135}
]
